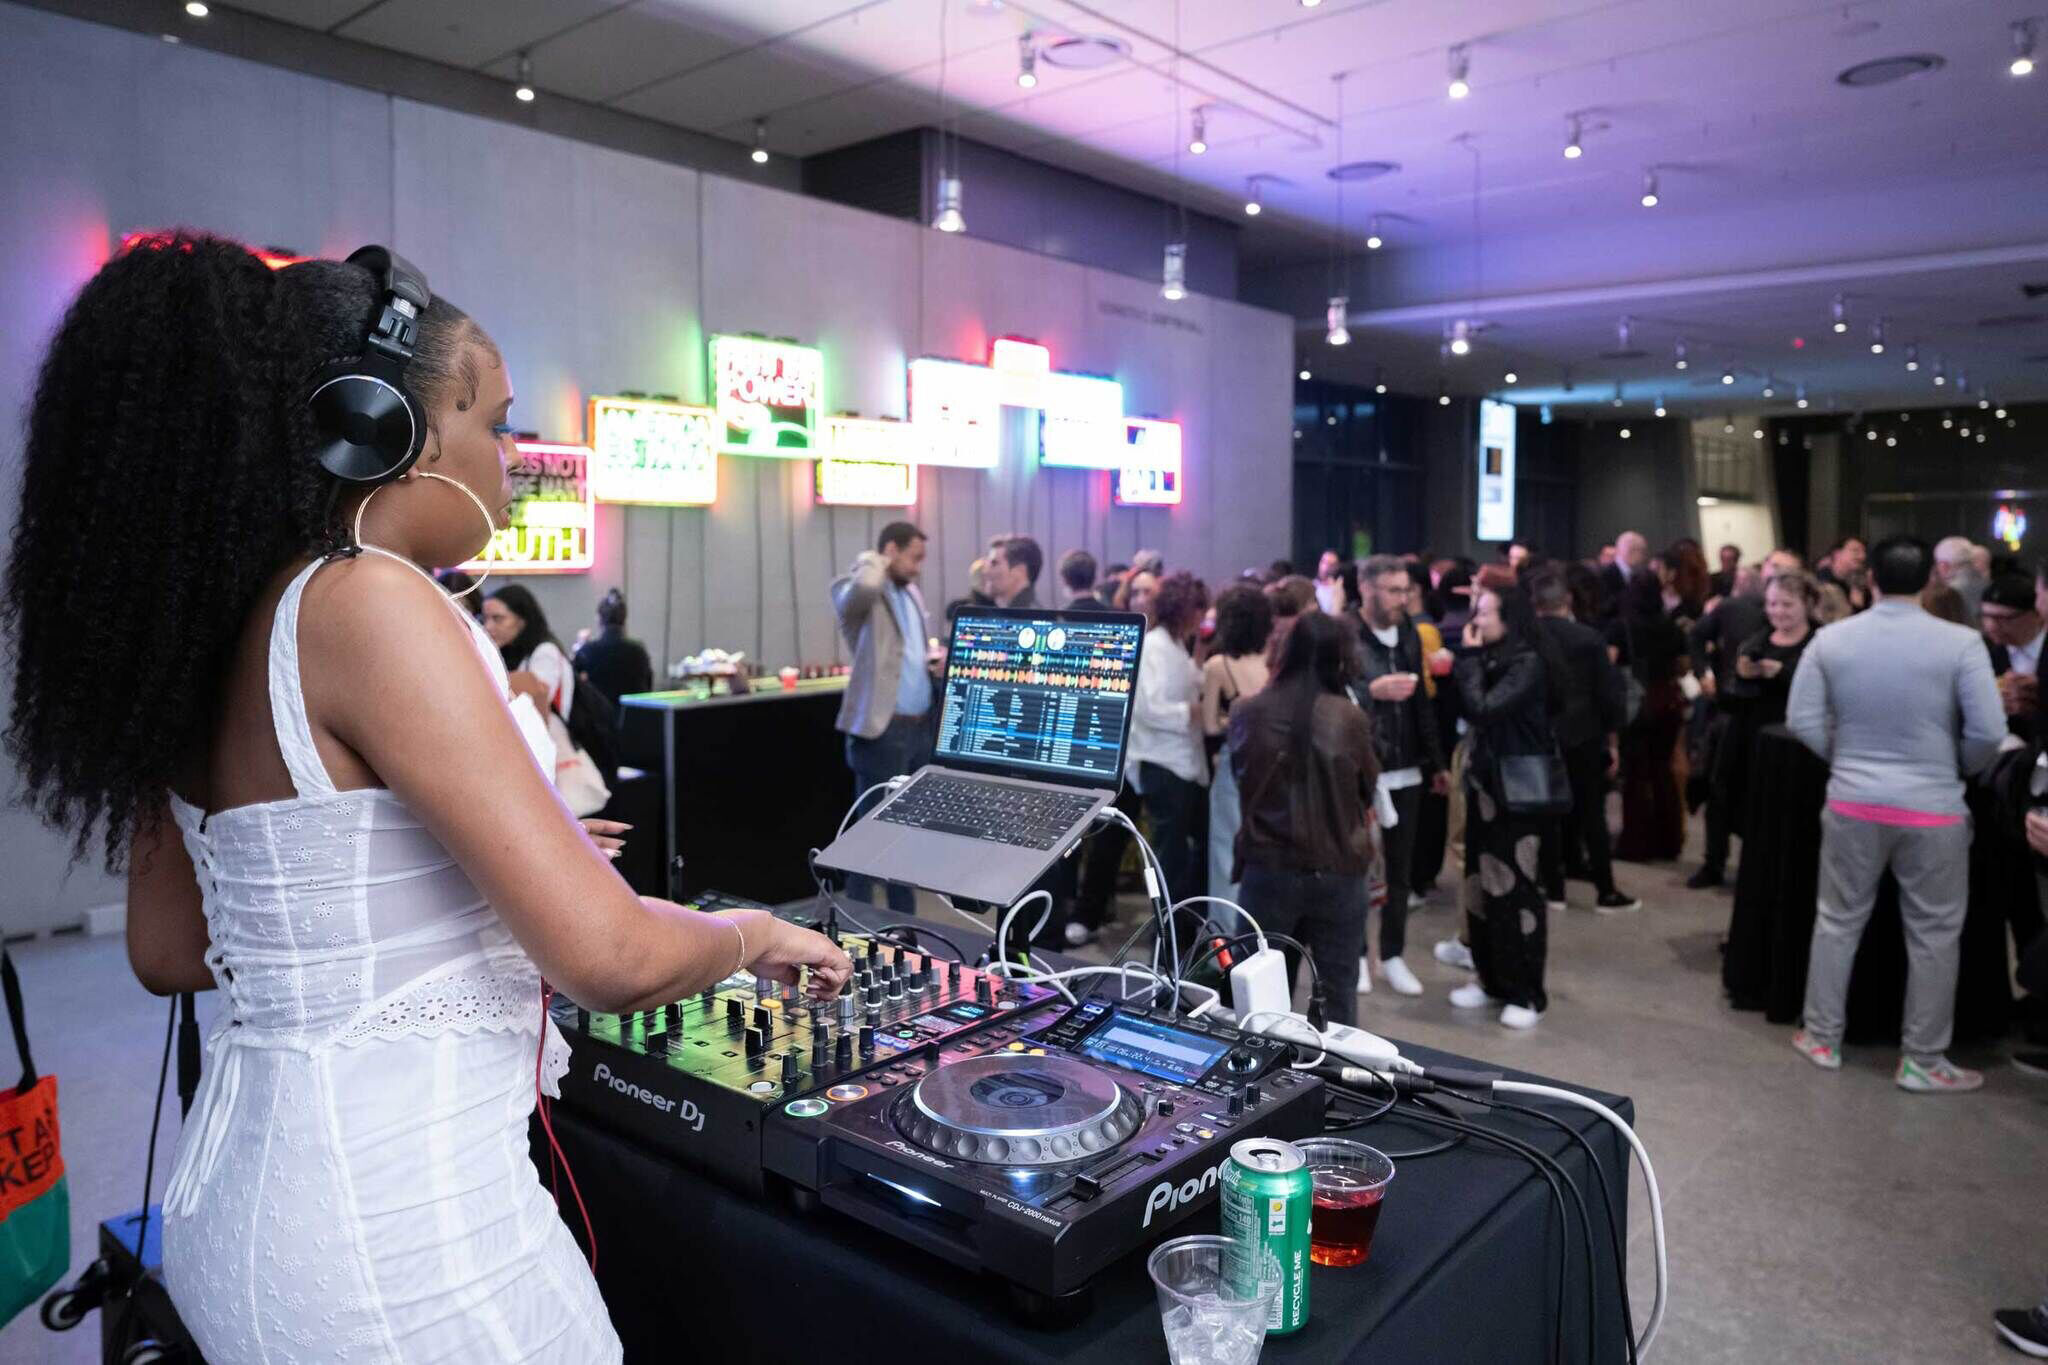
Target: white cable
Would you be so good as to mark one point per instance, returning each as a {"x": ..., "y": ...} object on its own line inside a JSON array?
[
  {"x": 1122, "y": 970},
  {"x": 847, "y": 818},
  {"x": 1003, "y": 930},
  {"x": 1314, "y": 1039},
  {"x": 1620, "y": 1125},
  {"x": 1242, "y": 913}
]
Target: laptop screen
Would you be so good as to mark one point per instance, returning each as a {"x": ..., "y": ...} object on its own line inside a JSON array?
[{"x": 1041, "y": 694}]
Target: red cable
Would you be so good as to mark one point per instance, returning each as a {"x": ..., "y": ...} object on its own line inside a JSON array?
[{"x": 555, "y": 1148}]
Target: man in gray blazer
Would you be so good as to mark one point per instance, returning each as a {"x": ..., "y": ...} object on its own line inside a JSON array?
[
  {"x": 886, "y": 713},
  {"x": 1902, "y": 706}
]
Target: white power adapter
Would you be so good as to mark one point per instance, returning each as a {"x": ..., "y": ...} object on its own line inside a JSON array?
[{"x": 1261, "y": 984}]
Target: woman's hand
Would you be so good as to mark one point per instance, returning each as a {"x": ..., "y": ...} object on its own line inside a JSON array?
[
  {"x": 1471, "y": 636},
  {"x": 608, "y": 835},
  {"x": 1770, "y": 668},
  {"x": 786, "y": 949},
  {"x": 1746, "y": 667},
  {"x": 525, "y": 684}
]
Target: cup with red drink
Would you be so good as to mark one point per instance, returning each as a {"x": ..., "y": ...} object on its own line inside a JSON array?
[{"x": 1350, "y": 1180}]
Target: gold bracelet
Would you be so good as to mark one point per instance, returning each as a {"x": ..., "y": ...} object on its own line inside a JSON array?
[{"x": 741, "y": 934}]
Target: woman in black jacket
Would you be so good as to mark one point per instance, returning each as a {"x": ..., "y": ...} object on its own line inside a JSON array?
[
  {"x": 1511, "y": 684},
  {"x": 1646, "y": 640}
]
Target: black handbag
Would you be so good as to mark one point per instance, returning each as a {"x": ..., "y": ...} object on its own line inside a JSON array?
[{"x": 1535, "y": 784}]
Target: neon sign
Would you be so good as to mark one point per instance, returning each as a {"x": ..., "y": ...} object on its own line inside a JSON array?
[
  {"x": 1081, "y": 422},
  {"x": 554, "y": 518},
  {"x": 868, "y": 464},
  {"x": 1149, "y": 475},
  {"x": 960, "y": 405},
  {"x": 651, "y": 452},
  {"x": 767, "y": 395},
  {"x": 2009, "y": 524}
]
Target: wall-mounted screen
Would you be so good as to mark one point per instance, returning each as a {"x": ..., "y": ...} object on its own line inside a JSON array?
[
  {"x": 554, "y": 518},
  {"x": 1496, "y": 498},
  {"x": 767, "y": 395},
  {"x": 647, "y": 451},
  {"x": 1148, "y": 474}
]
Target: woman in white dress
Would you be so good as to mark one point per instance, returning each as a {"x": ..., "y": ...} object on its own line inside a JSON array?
[{"x": 327, "y": 809}]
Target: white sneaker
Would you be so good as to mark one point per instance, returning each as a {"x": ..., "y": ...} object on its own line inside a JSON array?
[
  {"x": 1472, "y": 996},
  {"x": 1519, "y": 1017},
  {"x": 1364, "y": 975},
  {"x": 1452, "y": 953},
  {"x": 1077, "y": 934},
  {"x": 1396, "y": 974},
  {"x": 1417, "y": 901}
]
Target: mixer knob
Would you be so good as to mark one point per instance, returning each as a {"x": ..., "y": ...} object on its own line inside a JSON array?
[
  {"x": 867, "y": 1040},
  {"x": 1252, "y": 1095},
  {"x": 846, "y": 1005},
  {"x": 896, "y": 988},
  {"x": 763, "y": 988},
  {"x": 1236, "y": 1106},
  {"x": 763, "y": 1020},
  {"x": 953, "y": 973},
  {"x": 873, "y": 998},
  {"x": 844, "y": 1053},
  {"x": 983, "y": 995},
  {"x": 757, "y": 1042},
  {"x": 818, "y": 1034},
  {"x": 1241, "y": 1062},
  {"x": 792, "y": 1068},
  {"x": 912, "y": 963}
]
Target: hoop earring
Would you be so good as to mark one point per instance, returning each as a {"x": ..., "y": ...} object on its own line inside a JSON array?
[{"x": 490, "y": 522}]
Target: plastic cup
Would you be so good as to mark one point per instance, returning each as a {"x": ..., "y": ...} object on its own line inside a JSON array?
[
  {"x": 788, "y": 677},
  {"x": 1206, "y": 1319},
  {"x": 1350, "y": 1180}
]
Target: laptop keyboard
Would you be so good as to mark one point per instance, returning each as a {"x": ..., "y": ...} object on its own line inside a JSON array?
[{"x": 1023, "y": 817}]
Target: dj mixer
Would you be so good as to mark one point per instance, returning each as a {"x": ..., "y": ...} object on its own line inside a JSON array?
[{"x": 695, "y": 1078}]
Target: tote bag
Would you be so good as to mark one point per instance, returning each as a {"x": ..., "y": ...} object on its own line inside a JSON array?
[{"x": 35, "y": 1201}]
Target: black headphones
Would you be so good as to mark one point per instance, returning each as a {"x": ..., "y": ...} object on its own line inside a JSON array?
[{"x": 371, "y": 427}]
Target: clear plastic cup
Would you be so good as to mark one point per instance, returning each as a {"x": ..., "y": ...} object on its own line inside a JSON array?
[
  {"x": 1206, "y": 1320},
  {"x": 1350, "y": 1180}
]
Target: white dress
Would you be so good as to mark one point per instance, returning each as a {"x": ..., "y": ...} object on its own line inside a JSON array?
[{"x": 353, "y": 1183}]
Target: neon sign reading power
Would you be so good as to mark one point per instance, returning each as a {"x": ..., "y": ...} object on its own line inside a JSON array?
[{"x": 767, "y": 394}]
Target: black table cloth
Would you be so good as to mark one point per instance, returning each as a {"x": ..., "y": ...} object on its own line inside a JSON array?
[
  {"x": 1770, "y": 929},
  {"x": 1463, "y": 1266}
]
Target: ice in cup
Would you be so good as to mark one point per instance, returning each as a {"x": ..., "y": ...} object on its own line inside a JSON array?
[
  {"x": 1206, "y": 1320},
  {"x": 1350, "y": 1181}
]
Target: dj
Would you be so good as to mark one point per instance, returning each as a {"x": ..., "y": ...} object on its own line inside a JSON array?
[{"x": 303, "y": 753}]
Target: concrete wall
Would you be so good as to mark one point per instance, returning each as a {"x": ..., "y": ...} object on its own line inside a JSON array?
[{"x": 598, "y": 271}]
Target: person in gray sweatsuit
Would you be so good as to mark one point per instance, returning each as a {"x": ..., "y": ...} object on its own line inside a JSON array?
[{"x": 1902, "y": 707}]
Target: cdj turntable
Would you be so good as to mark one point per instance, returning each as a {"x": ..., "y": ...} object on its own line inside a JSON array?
[
  {"x": 692, "y": 1080},
  {"x": 1049, "y": 1148}
]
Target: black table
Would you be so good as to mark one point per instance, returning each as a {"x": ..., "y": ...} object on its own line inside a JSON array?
[
  {"x": 1770, "y": 930},
  {"x": 1463, "y": 1266},
  {"x": 748, "y": 784}
]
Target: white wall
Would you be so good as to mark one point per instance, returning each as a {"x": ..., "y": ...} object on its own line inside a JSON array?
[
  {"x": 598, "y": 271},
  {"x": 1749, "y": 525}
]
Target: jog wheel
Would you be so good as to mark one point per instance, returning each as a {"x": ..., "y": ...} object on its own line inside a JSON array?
[{"x": 1013, "y": 1109}]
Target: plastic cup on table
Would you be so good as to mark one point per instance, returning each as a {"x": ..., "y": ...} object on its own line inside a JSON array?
[
  {"x": 1350, "y": 1180},
  {"x": 1206, "y": 1319},
  {"x": 788, "y": 676}
]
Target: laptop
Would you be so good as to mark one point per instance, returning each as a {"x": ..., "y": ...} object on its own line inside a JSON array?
[{"x": 1034, "y": 717}]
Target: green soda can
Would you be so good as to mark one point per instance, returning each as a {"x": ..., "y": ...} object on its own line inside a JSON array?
[{"x": 1267, "y": 1196}]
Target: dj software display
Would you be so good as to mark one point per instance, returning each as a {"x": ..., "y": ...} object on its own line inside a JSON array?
[{"x": 983, "y": 1119}]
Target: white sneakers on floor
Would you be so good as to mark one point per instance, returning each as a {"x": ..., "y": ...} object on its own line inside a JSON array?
[
  {"x": 1472, "y": 996},
  {"x": 1452, "y": 953},
  {"x": 1395, "y": 973},
  {"x": 1519, "y": 1017},
  {"x": 1364, "y": 974}
]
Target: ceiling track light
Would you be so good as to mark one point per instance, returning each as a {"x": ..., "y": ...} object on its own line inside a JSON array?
[
  {"x": 2022, "y": 47},
  {"x": 1027, "y": 62},
  {"x": 1335, "y": 317},
  {"x": 1799, "y": 396},
  {"x": 1461, "y": 67},
  {"x": 1575, "y": 146},
  {"x": 1623, "y": 330},
  {"x": 760, "y": 154},
  {"x": 1659, "y": 409},
  {"x": 1727, "y": 376},
  {"x": 1198, "y": 136},
  {"x": 523, "y": 92},
  {"x": 197, "y": 9},
  {"x": 1310, "y": 4},
  {"x": 1567, "y": 383},
  {"x": 1770, "y": 387},
  {"x": 1617, "y": 393},
  {"x": 1443, "y": 394},
  {"x": 1305, "y": 374},
  {"x": 1459, "y": 337},
  {"x": 1940, "y": 377},
  {"x": 949, "y": 217},
  {"x": 1912, "y": 357},
  {"x": 1839, "y": 306},
  {"x": 1962, "y": 382},
  {"x": 1511, "y": 378},
  {"x": 1626, "y": 433},
  {"x": 1650, "y": 199},
  {"x": 1678, "y": 361},
  {"x": 1877, "y": 337},
  {"x": 1254, "y": 203},
  {"x": 1173, "y": 274},
  {"x": 1379, "y": 380},
  {"x": 1373, "y": 240}
]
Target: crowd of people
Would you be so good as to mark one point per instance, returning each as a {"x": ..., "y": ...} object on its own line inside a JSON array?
[{"x": 1327, "y": 749}]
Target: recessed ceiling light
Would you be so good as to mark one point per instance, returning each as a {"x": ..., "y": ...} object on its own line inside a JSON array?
[
  {"x": 1885, "y": 70},
  {"x": 1085, "y": 53},
  {"x": 198, "y": 10}
]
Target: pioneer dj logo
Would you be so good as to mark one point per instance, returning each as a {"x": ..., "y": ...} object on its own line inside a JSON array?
[
  {"x": 926, "y": 1157},
  {"x": 1169, "y": 1196},
  {"x": 686, "y": 1111}
]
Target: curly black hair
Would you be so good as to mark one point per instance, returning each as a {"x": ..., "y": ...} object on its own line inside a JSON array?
[
  {"x": 1178, "y": 605},
  {"x": 1244, "y": 621},
  {"x": 167, "y": 477}
]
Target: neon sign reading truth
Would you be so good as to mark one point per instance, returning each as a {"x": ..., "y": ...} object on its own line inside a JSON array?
[
  {"x": 868, "y": 463},
  {"x": 652, "y": 452},
  {"x": 1149, "y": 474},
  {"x": 554, "y": 518},
  {"x": 767, "y": 395}
]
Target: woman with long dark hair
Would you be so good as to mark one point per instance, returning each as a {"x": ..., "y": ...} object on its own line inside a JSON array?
[
  {"x": 1235, "y": 671},
  {"x": 534, "y": 659},
  {"x": 1164, "y": 759},
  {"x": 1303, "y": 757},
  {"x": 1511, "y": 684},
  {"x": 302, "y": 753},
  {"x": 1645, "y": 640}
]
